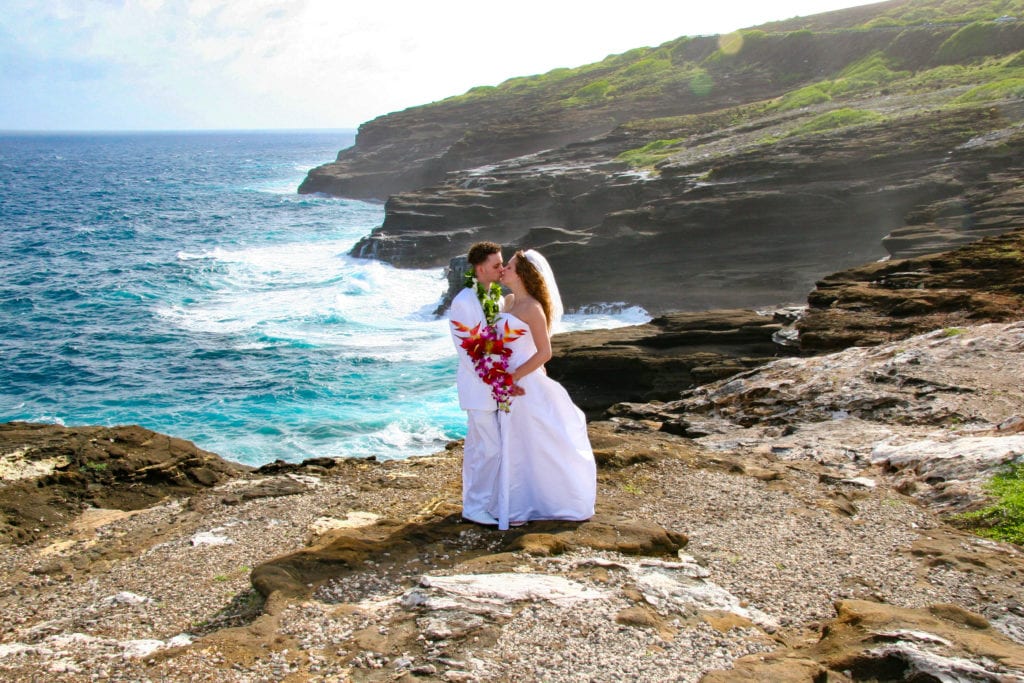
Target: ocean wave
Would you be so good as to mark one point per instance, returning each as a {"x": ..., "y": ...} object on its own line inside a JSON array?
[
  {"x": 604, "y": 316},
  {"x": 204, "y": 298}
]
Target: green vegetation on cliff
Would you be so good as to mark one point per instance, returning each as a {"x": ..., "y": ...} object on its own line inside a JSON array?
[
  {"x": 651, "y": 153},
  {"x": 777, "y": 78},
  {"x": 838, "y": 118},
  {"x": 999, "y": 90},
  {"x": 901, "y": 14},
  {"x": 817, "y": 61}
]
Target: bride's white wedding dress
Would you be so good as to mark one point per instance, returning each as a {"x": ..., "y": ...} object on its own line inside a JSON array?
[{"x": 547, "y": 468}]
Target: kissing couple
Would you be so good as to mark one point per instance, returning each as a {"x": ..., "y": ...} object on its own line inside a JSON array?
[{"x": 526, "y": 455}]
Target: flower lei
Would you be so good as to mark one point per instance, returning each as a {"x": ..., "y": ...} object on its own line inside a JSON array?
[
  {"x": 490, "y": 299},
  {"x": 487, "y": 346}
]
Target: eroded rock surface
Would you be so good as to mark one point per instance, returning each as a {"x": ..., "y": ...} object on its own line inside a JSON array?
[
  {"x": 870, "y": 304},
  {"x": 657, "y": 360},
  {"x": 48, "y": 473},
  {"x": 935, "y": 415}
]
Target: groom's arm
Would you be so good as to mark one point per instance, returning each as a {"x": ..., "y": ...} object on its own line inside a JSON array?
[{"x": 463, "y": 312}]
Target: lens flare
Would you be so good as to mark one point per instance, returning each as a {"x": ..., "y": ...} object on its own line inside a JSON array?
[{"x": 730, "y": 43}]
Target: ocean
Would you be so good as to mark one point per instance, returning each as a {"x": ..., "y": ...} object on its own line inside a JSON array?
[{"x": 178, "y": 281}]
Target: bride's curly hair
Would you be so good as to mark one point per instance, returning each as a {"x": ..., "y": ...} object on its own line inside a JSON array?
[{"x": 534, "y": 283}]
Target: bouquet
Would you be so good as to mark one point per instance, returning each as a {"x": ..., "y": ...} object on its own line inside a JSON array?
[{"x": 487, "y": 347}]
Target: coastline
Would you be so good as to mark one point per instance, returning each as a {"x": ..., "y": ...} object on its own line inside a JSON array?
[{"x": 740, "y": 552}]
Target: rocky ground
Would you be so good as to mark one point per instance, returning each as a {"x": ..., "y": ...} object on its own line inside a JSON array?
[{"x": 786, "y": 524}]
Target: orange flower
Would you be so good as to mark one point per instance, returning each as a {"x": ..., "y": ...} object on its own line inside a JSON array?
[{"x": 487, "y": 348}]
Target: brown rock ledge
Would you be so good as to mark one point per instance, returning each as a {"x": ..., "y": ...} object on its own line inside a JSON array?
[
  {"x": 50, "y": 473},
  {"x": 658, "y": 360}
]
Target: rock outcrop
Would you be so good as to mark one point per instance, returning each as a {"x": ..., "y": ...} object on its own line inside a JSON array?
[
  {"x": 657, "y": 360},
  {"x": 871, "y": 641},
  {"x": 875, "y": 303},
  {"x": 981, "y": 282},
  {"x": 48, "y": 473}
]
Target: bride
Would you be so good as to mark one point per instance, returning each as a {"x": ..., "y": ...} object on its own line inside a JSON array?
[{"x": 547, "y": 468}]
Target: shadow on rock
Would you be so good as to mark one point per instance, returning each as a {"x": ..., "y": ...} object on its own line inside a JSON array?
[{"x": 448, "y": 540}]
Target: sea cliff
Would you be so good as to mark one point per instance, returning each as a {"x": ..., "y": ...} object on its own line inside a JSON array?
[{"x": 715, "y": 172}]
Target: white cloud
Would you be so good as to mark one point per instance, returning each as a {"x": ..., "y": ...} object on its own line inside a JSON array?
[{"x": 311, "y": 63}]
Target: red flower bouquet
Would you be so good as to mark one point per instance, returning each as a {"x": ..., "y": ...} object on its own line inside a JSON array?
[{"x": 487, "y": 348}]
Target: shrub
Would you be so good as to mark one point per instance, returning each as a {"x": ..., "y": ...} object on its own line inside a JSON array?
[
  {"x": 1004, "y": 519},
  {"x": 651, "y": 153},
  {"x": 883, "y": 22},
  {"x": 1015, "y": 60},
  {"x": 973, "y": 40},
  {"x": 804, "y": 97},
  {"x": 1007, "y": 88},
  {"x": 646, "y": 67},
  {"x": 701, "y": 83},
  {"x": 871, "y": 72},
  {"x": 597, "y": 90},
  {"x": 838, "y": 118}
]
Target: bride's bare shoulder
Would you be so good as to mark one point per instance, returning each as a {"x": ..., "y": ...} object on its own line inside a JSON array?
[{"x": 526, "y": 308}]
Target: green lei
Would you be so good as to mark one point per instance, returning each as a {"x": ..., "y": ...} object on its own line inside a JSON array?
[{"x": 490, "y": 299}]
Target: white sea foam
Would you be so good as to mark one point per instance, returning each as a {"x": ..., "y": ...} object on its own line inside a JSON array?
[
  {"x": 605, "y": 316},
  {"x": 314, "y": 293},
  {"x": 48, "y": 418},
  {"x": 287, "y": 187}
]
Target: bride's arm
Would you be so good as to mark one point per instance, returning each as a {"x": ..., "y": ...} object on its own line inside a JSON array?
[{"x": 534, "y": 318}]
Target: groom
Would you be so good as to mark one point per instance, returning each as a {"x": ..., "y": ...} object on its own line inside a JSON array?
[{"x": 482, "y": 449}]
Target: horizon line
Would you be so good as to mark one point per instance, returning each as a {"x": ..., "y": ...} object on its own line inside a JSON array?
[{"x": 124, "y": 131}]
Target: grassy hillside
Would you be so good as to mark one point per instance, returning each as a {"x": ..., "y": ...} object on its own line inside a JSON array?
[
  {"x": 910, "y": 36},
  {"x": 836, "y": 65}
]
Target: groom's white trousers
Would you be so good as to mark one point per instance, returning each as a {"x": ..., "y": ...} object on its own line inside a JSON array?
[{"x": 481, "y": 455}]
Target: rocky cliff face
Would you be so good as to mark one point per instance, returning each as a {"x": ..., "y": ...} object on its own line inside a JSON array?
[
  {"x": 416, "y": 147},
  {"x": 692, "y": 176},
  {"x": 732, "y": 222}
]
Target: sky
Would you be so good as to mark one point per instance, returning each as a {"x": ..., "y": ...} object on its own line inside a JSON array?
[{"x": 299, "y": 64}]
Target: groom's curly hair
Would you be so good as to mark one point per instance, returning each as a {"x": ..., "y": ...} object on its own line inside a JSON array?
[
  {"x": 479, "y": 252},
  {"x": 534, "y": 283}
]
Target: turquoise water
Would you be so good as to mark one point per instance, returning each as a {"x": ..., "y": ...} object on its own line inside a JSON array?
[{"x": 177, "y": 281}]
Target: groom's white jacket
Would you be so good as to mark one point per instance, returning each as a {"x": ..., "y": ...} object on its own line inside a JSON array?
[{"x": 473, "y": 393}]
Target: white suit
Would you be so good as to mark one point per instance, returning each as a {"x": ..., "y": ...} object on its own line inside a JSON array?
[{"x": 482, "y": 450}]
